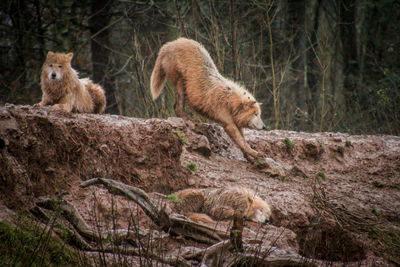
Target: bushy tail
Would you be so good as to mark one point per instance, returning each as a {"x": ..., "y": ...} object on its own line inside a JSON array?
[
  {"x": 157, "y": 79},
  {"x": 98, "y": 96}
]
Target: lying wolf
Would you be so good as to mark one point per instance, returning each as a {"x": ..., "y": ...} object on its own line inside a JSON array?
[
  {"x": 221, "y": 204},
  {"x": 189, "y": 67},
  {"x": 63, "y": 89}
]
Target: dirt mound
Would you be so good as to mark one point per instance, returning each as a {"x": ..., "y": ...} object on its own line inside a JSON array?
[
  {"x": 44, "y": 151},
  {"x": 335, "y": 197}
]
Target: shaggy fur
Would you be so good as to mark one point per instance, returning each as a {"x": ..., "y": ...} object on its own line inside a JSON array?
[
  {"x": 189, "y": 67},
  {"x": 221, "y": 204},
  {"x": 63, "y": 89}
]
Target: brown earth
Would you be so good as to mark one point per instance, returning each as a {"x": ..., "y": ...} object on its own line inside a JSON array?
[{"x": 335, "y": 197}]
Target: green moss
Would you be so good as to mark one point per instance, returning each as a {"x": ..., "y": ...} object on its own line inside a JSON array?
[
  {"x": 347, "y": 143},
  {"x": 340, "y": 150},
  {"x": 395, "y": 186},
  {"x": 173, "y": 198},
  {"x": 377, "y": 184},
  {"x": 192, "y": 166},
  {"x": 377, "y": 212},
  {"x": 31, "y": 245},
  {"x": 289, "y": 144},
  {"x": 321, "y": 175},
  {"x": 181, "y": 137}
]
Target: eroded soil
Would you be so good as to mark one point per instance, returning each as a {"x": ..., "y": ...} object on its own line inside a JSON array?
[{"x": 333, "y": 195}]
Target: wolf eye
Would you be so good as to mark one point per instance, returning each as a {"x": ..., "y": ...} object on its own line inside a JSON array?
[
  {"x": 51, "y": 65},
  {"x": 60, "y": 66}
]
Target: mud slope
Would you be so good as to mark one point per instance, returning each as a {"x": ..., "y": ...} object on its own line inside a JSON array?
[{"x": 335, "y": 197}]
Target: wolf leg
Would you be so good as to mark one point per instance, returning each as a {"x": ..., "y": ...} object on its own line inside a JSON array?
[
  {"x": 199, "y": 217},
  {"x": 238, "y": 138},
  {"x": 179, "y": 105},
  {"x": 65, "y": 104},
  {"x": 45, "y": 101},
  {"x": 222, "y": 213}
]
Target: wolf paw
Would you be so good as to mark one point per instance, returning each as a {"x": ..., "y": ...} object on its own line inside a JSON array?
[{"x": 40, "y": 104}]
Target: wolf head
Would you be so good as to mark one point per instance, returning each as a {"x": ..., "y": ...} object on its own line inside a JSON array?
[
  {"x": 259, "y": 211},
  {"x": 255, "y": 121},
  {"x": 56, "y": 65},
  {"x": 248, "y": 114},
  {"x": 245, "y": 109}
]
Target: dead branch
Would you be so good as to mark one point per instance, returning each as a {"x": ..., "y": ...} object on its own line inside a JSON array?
[
  {"x": 171, "y": 260},
  {"x": 170, "y": 224},
  {"x": 81, "y": 231},
  {"x": 223, "y": 254},
  {"x": 70, "y": 213}
]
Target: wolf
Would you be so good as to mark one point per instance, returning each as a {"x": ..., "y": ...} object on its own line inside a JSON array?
[
  {"x": 196, "y": 79},
  {"x": 209, "y": 204},
  {"x": 62, "y": 88}
]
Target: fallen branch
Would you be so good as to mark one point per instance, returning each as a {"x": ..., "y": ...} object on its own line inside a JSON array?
[
  {"x": 171, "y": 260},
  {"x": 69, "y": 212},
  {"x": 170, "y": 224},
  {"x": 81, "y": 231}
]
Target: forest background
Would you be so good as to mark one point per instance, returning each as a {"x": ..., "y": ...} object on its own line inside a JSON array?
[{"x": 317, "y": 65}]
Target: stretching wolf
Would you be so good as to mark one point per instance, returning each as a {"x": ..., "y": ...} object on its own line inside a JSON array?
[{"x": 196, "y": 79}]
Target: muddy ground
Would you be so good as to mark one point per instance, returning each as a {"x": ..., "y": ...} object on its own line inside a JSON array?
[{"x": 335, "y": 197}]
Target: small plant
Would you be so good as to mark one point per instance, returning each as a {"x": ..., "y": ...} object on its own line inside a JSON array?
[
  {"x": 340, "y": 150},
  {"x": 377, "y": 212},
  {"x": 192, "y": 166},
  {"x": 321, "y": 175},
  {"x": 395, "y": 186},
  {"x": 377, "y": 184},
  {"x": 173, "y": 198},
  {"x": 289, "y": 144},
  {"x": 181, "y": 137},
  {"x": 347, "y": 143}
]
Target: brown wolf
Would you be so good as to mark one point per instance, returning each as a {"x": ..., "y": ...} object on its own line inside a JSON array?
[
  {"x": 189, "y": 67},
  {"x": 63, "y": 89},
  {"x": 221, "y": 204}
]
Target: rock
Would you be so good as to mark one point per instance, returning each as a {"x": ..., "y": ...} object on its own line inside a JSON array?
[
  {"x": 200, "y": 144},
  {"x": 271, "y": 167}
]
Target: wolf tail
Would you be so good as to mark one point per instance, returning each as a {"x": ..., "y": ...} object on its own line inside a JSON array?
[
  {"x": 158, "y": 77},
  {"x": 97, "y": 94}
]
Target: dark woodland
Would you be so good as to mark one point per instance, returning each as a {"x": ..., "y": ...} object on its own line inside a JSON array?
[{"x": 316, "y": 65}]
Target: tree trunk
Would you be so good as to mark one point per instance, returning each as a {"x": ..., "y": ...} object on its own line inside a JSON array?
[{"x": 100, "y": 53}]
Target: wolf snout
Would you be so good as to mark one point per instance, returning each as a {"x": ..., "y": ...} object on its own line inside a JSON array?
[
  {"x": 53, "y": 75},
  {"x": 267, "y": 221}
]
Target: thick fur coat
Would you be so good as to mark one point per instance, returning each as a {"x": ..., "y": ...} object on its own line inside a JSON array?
[
  {"x": 196, "y": 79},
  {"x": 62, "y": 88},
  {"x": 221, "y": 204}
]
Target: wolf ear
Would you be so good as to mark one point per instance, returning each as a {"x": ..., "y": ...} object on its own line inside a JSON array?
[
  {"x": 251, "y": 103},
  {"x": 50, "y": 54},
  {"x": 260, "y": 104},
  {"x": 70, "y": 55},
  {"x": 250, "y": 199}
]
